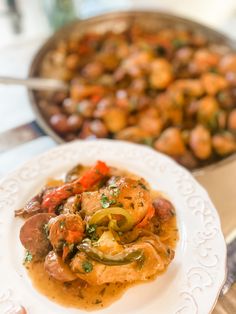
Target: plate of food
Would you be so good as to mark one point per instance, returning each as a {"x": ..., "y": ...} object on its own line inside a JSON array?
[{"x": 108, "y": 226}]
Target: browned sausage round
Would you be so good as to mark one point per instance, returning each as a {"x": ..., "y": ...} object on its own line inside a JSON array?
[
  {"x": 164, "y": 209},
  {"x": 57, "y": 268},
  {"x": 33, "y": 235}
]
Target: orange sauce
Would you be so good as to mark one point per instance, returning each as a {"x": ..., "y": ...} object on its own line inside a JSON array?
[
  {"x": 78, "y": 294},
  {"x": 75, "y": 294}
]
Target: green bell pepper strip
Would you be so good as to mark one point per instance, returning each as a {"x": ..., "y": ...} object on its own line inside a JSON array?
[
  {"x": 97, "y": 218},
  {"x": 127, "y": 256}
]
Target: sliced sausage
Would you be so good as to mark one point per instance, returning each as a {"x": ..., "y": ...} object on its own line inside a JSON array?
[
  {"x": 57, "y": 268},
  {"x": 31, "y": 208},
  {"x": 164, "y": 209},
  {"x": 33, "y": 235}
]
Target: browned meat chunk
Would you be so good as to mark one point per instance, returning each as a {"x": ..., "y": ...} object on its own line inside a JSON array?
[
  {"x": 130, "y": 194},
  {"x": 65, "y": 229},
  {"x": 56, "y": 268},
  {"x": 33, "y": 235}
]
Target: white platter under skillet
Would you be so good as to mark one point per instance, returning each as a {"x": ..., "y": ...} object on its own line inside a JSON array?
[{"x": 192, "y": 282}]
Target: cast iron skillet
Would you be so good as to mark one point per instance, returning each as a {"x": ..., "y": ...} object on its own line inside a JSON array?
[{"x": 118, "y": 21}]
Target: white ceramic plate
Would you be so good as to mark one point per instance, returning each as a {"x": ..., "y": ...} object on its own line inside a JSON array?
[{"x": 193, "y": 280}]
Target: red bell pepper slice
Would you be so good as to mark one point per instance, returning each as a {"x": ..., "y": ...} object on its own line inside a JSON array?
[{"x": 94, "y": 175}]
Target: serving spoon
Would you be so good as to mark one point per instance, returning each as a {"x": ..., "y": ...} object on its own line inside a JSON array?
[{"x": 36, "y": 83}]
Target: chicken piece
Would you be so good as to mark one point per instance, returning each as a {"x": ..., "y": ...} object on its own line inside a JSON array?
[
  {"x": 203, "y": 61},
  {"x": 133, "y": 134},
  {"x": 184, "y": 55},
  {"x": 130, "y": 194},
  {"x": 224, "y": 144},
  {"x": 56, "y": 268},
  {"x": 33, "y": 235},
  {"x": 161, "y": 73},
  {"x": 154, "y": 257},
  {"x": 115, "y": 119},
  {"x": 228, "y": 63},
  {"x": 90, "y": 203},
  {"x": 189, "y": 87},
  {"x": 207, "y": 109},
  {"x": 65, "y": 229},
  {"x": 169, "y": 104},
  {"x": 72, "y": 204},
  {"x": 93, "y": 70},
  {"x": 170, "y": 142},
  {"x": 150, "y": 121},
  {"x": 136, "y": 63},
  {"x": 200, "y": 142},
  {"x": 79, "y": 92},
  {"x": 213, "y": 83}
]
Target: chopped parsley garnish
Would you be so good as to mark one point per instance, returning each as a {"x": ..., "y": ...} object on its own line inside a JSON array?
[
  {"x": 91, "y": 232},
  {"x": 28, "y": 257},
  {"x": 62, "y": 224},
  {"x": 112, "y": 186},
  {"x": 91, "y": 229},
  {"x": 105, "y": 202},
  {"x": 87, "y": 266},
  {"x": 115, "y": 191}
]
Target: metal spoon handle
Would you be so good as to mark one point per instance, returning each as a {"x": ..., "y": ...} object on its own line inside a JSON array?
[{"x": 35, "y": 83}]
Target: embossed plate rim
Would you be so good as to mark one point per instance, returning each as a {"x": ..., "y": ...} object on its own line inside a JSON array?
[{"x": 194, "y": 278}]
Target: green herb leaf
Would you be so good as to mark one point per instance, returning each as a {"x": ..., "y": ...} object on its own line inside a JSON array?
[
  {"x": 91, "y": 232},
  {"x": 87, "y": 266},
  {"x": 105, "y": 202},
  {"x": 112, "y": 186},
  {"x": 91, "y": 229},
  {"x": 28, "y": 257}
]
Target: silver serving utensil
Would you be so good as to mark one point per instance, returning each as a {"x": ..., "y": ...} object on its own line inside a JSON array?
[{"x": 35, "y": 83}]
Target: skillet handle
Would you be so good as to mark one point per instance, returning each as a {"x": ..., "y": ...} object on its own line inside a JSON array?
[{"x": 20, "y": 135}]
